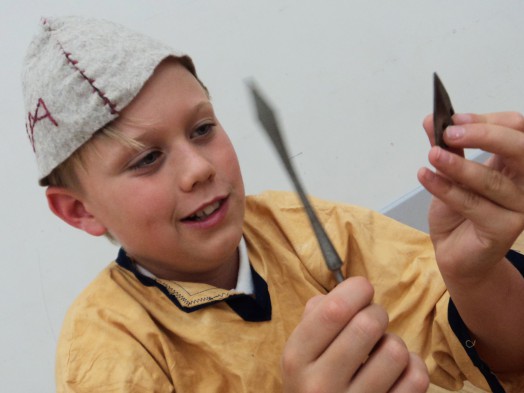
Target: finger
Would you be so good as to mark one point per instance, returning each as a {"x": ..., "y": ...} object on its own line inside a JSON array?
[
  {"x": 312, "y": 303},
  {"x": 384, "y": 367},
  {"x": 353, "y": 345},
  {"x": 491, "y": 221},
  {"x": 512, "y": 120},
  {"x": 497, "y": 139},
  {"x": 429, "y": 128},
  {"x": 323, "y": 322},
  {"x": 414, "y": 379},
  {"x": 487, "y": 182}
]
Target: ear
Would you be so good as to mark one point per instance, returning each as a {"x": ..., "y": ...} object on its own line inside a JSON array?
[{"x": 70, "y": 208}]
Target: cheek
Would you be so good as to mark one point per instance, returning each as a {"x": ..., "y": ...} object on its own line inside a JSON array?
[
  {"x": 229, "y": 162},
  {"x": 127, "y": 204},
  {"x": 234, "y": 172}
]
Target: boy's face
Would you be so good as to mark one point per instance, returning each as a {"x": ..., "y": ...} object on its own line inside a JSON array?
[{"x": 177, "y": 205}]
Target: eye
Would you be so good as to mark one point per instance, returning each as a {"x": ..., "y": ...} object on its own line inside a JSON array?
[
  {"x": 203, "y": 131},
  {"x": 147, "y": 160}
]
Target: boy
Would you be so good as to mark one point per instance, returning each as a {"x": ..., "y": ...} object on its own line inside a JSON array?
[{"x": 209, "y": 289}]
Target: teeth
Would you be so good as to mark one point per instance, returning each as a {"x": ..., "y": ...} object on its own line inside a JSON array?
[{"x": 207, "y": 211}]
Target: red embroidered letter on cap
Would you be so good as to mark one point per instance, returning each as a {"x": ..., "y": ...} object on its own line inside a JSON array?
[{"x": 33, "y": 119}]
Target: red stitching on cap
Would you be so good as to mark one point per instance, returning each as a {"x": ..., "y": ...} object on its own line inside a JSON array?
[
  {"x": 33, "y": 119},
  {"x": 91, "y": 81}
]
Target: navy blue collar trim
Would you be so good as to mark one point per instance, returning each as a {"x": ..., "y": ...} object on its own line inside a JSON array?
[
  {"x": 255, "y": 308},
  {"x": 461, "y": 331}
]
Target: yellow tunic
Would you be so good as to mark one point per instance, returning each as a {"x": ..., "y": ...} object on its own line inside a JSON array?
[{"x": 123, "y": 336}]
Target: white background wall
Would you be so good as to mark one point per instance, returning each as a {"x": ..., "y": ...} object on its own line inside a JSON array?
[{"x": 351, "y": 81}]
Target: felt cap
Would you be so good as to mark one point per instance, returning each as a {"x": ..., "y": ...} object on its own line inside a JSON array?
[{"x": 78, "y": 74}]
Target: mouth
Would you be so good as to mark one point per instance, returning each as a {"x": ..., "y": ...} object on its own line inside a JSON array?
[{"x": 204, "y": 213}]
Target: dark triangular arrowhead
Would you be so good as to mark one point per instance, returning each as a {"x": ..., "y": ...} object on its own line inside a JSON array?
[{"x": 442, "y": 110}]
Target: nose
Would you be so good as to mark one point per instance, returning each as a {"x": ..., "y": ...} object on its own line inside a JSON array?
[{"x": 195, "y": 169}]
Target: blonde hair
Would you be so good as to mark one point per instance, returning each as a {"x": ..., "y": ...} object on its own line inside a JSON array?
[{"x": 66, "y": 174}]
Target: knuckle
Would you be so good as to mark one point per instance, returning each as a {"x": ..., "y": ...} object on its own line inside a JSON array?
[
  {"x": 363, "y": 285},
  {"x": 338, "y": 307},
  {"x": 290, "y": 362},
  {"x": 335, "y": 311},
  {"x": 397, "y": 351},
  {"x": 417, "y": 374},
  {"x": 315, "y": 385},
  {"x": 471, "y": 200},
  {"x": 308, "y": 381},
  {"x": 371, "y": 324},
  {"x": 312, "y": 303},
  {"x": 419, "y": 379},
  {"x": 493, "y": 181}
]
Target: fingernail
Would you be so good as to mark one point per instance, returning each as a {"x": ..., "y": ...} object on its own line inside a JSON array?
[{"x": 455, "y": 132}]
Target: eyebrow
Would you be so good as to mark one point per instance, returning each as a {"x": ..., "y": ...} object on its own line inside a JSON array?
[
  {"x": 202, "y": 105},
  {"x": 145, "y": 129}
]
